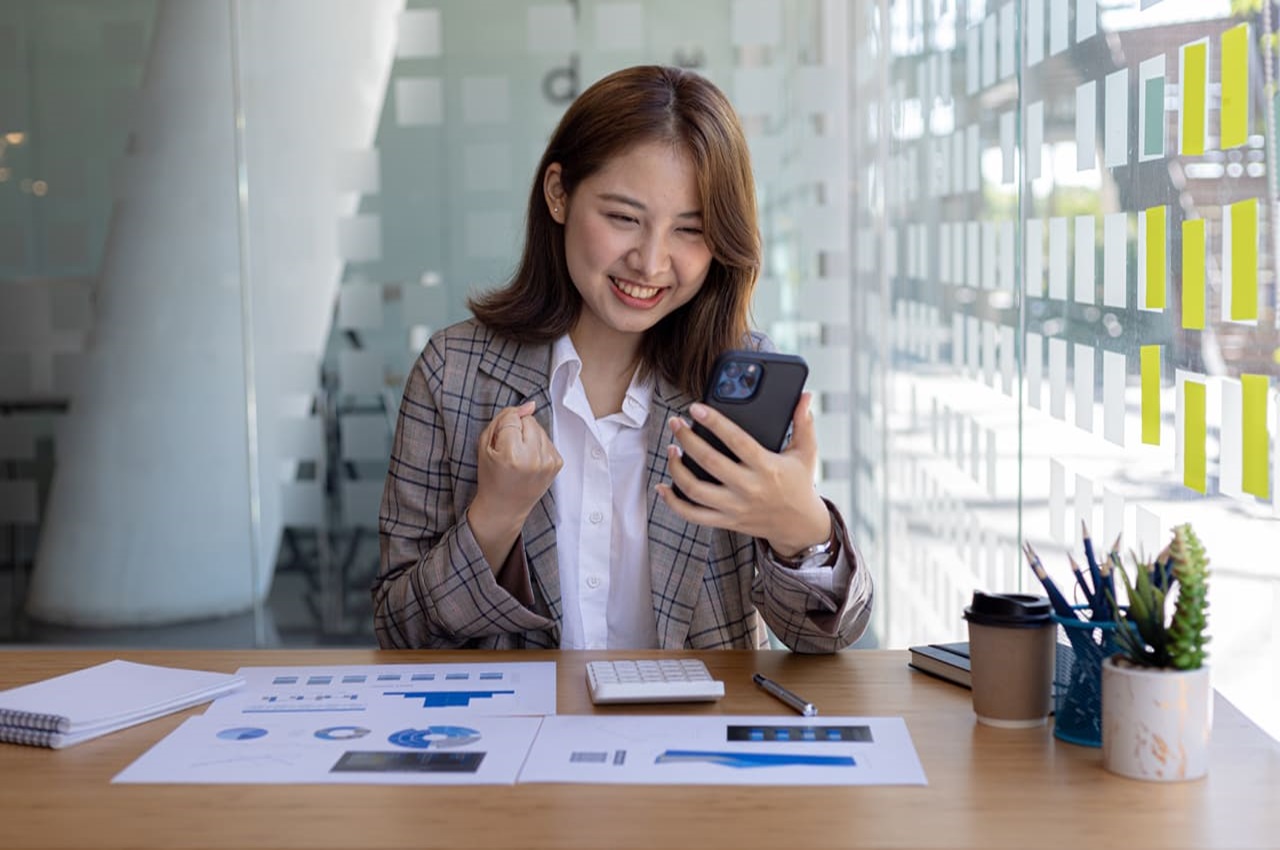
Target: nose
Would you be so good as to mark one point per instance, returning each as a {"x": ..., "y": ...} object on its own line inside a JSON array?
[{"x": 650, "y": 256}]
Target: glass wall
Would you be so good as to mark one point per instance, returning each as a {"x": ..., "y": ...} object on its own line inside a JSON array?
[
  {"x": 1026, "y": 246},
  {"x": 1067, "y": 304},
  {"x": 227, "y": 228}
]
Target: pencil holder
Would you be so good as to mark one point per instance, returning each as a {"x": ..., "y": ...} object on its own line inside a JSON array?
[{"x": 1077, "y": 680}]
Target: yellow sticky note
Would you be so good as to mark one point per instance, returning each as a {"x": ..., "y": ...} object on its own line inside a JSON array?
[
  {"x": 1155, "y": 258},
  {"x": 1193, "y": 438},
  {"x": 1235, "y": 87},
  {"x": 1257, "y": 463},
  {"x": 1195, "y": 78},
  {"x": 1244, "y": 261},
  {"x": 1193, "y": 257},
  {"x": 1150, "y": 361}
]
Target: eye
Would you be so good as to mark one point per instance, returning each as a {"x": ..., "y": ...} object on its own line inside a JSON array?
[
  {"x": 691, "y": 231},
  {"x": 621, "y": 218}
]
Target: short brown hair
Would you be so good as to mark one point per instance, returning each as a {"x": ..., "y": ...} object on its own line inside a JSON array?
[{"x": 633, "y": 106}]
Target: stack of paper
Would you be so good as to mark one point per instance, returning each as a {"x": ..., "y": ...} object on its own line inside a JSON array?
[{"x": 77, "y": 706}]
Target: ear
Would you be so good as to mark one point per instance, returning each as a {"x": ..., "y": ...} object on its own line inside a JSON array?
[{"x": 554, "y": 193}]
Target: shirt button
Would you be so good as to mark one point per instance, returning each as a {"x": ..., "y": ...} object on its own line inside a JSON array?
[
  {"x": 595, "y": 517},
  {"x": 593, "y": 582},
  {"x": 597, "y": 453}
]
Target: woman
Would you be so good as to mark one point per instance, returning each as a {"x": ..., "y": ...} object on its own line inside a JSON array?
[{"x": 528, "y": 501}]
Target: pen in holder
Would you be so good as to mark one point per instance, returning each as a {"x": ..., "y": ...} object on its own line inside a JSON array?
[{"x": 1077, "y": 684}]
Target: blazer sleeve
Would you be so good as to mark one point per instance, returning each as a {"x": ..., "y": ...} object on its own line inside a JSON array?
[
  {"x": 435, "y": 589},
  {"x": 806, "y": 618}
]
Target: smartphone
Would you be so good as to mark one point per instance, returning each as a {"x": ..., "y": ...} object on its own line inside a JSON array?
[{"x": 757, "y": 390}]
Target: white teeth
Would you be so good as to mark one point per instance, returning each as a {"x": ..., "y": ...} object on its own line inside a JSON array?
[{"x": 644, "y": 293}]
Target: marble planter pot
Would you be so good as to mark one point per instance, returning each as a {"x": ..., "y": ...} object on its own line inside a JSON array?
[{"x": 1155, "y": 723}]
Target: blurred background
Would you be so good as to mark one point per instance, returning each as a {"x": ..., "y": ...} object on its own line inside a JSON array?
[{"x": 1027, "y": 247}]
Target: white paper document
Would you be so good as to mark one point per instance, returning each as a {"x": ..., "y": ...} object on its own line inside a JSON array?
[
  {"x": 724, "y": 750},
  {"x": 369, "y": 750},
  {"x": 405, "y": 690}
]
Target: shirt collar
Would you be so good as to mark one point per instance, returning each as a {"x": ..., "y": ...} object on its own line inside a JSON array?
[{"x": 566, "y": 368}]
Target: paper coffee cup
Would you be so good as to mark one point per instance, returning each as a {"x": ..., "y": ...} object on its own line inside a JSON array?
[{"x": 1011, "y": 655}]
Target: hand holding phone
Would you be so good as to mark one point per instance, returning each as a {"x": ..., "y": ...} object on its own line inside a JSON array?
[{"x": 756, "y": 390}]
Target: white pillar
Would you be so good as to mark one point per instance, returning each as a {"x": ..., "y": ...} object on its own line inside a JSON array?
[{"x": 148, "y": 520}]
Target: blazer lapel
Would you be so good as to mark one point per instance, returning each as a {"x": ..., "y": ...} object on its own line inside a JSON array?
[
  {"x": 523, "y": 368},
  {"x": 677, "y": 549}
]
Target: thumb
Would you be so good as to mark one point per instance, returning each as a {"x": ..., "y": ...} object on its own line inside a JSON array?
[{"x": 526, "y": 408}]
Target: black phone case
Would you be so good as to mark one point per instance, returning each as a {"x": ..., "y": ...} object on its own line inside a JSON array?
[{"x": 766, "y": 415}]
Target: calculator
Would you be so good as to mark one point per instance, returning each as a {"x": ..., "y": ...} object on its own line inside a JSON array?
[{"x": 666, "y": 680}]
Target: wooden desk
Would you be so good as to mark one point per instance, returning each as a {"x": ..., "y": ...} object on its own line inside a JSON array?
[{"x": 987, "y": 787}]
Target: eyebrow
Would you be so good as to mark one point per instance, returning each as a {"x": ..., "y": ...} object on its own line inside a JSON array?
[{"x": 632, "y": 202}]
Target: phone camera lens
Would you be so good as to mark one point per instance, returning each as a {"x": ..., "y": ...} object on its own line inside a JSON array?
[
  {"x": 727, "y": 389},
  {"x": 732, "y": 370},
  {"x": 748, "y": 380}
]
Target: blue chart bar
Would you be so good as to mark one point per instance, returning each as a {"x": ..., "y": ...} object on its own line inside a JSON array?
[
  {"x": 446, "y": 699},
  {"x": 745, "y": 760}
]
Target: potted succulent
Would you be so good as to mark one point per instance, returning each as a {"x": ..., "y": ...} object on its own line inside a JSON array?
[{"x": 1157, "y": 702}]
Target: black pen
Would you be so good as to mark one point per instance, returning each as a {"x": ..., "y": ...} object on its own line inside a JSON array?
[{"x": 803, "y": 706}]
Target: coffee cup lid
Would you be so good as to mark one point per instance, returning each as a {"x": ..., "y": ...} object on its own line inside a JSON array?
[{"x": 1009, "y": 610}]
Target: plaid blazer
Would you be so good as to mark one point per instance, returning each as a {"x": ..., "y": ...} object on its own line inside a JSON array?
[{"x": 436, "y": 590}]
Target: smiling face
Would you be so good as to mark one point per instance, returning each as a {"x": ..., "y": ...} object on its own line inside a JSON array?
[{"x": 633, "y": 241}]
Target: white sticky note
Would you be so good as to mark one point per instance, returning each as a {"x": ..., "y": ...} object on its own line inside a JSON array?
[
  {"x": 1006, "y": 359},
  {"x": 1006, "y": 251},
  {"x": 989, "y": 267},
  {"x": 973, "y": 165},
  {"x": 1057, "y": 26},
  {"x": 957, "y": 162},
  {"x": 1115, "y": 268},
  {"x": 1086, "y": 19},
  {"x": 1057, "y": 500},
  {"x": 957, "y": 341},
  {"x": 944, "y": 252},
  {"x": 1008, "y": 41},
  {"x": 973, "y": 335},
  {"x": 1086, "y": 279},
  {"x": 1274, "y": 404},
  {"x": 1151, "y": 84},
  {"x": 990, "y": 29},
  {"x": 1116, "y": 119},
  {"x": 1231, "y": 441},
  {"x": 973, "y": 60},
  {"x": 1058, "y": 378},
  {"x": 989, "y": 353},
  {"x": 975, "y": 449},
  {"x": 1007, "y": 133},
  {"x": 1058, "y": 258},
  {"x": 419, "y": 101},
  {"x": 1034, "y": 357},
  {"x": 1035, "y": 32},
  {"x": 992, "y": 456},
  {"x": 1112, "y": 514},
  {"x": 1035, "y": 138},
  {"x": 1086, "y": 126},
  {"x": 1150, "y": 533},
  {"x": 1084, "y": 502},
  {"x": 419, "y": 33},
  {"x": 1113, "y": 386},
  {"x": 945, "y": 90},
  {"x": 1034, "y": 266},
  {"x": 621, "y": 26},
  {"x": 958, "y": 251},
  {"x": 1083, "y": 374},
  {"x": 973, "y": 253}
]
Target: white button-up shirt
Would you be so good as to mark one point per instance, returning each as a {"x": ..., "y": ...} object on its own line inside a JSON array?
[{"x": 602, "y": 523}]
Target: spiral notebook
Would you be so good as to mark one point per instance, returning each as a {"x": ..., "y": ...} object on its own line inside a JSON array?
[{"x": 87, "y": 703}]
